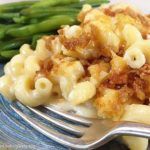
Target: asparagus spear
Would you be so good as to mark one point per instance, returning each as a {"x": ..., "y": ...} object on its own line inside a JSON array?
[{"x": 44, "y": 26}]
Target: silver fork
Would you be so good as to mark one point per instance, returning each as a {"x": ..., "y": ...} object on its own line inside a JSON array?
[{"x": 89, "y": 133}]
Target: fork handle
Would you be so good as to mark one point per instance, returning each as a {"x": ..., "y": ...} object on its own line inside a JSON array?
[{"x": 135, "y": 129}]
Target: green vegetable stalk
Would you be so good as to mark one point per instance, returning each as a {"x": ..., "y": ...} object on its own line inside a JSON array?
[
  {"x": 13, "y": 44},
  {"x": 13, "y": 7},
  {"x": 8, "y": 54},
  {"x": 45, "y": 26},
  {"x": 45, "y": 3}
]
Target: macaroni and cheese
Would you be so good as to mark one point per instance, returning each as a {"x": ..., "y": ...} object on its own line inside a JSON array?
[{"x": 100, "y": 68}]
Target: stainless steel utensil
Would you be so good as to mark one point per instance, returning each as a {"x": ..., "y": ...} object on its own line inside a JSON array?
[{"x": 88, "y": 133}]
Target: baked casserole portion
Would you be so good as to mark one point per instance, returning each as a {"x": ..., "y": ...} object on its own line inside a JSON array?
[{"x": 100, "y": 67}]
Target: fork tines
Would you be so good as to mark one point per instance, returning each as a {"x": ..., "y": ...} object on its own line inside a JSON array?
[{"x": 77, "y": 129}]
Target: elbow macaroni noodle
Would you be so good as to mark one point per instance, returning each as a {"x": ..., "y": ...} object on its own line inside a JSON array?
[
  {"x": 41, "y": 51},
  {"x": 131, "y": 34},
  {"x": 18, "y": 82},
  {"x": 138, "y": 52},
  {"x": 25, "y": 50},
  {"x": 33, "y": 95},
  {"x": 103, "y": 63},
  {"x": 82, "y": 92},
  {"x": 7, "y": 87},
  {"x": 137, "y": 113},
  {"x": 31, "y": 65},
  {"x": 134, "y": 57}
]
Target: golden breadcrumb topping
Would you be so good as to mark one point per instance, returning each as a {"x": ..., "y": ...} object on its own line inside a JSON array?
[{"x": 99, "y": 45}]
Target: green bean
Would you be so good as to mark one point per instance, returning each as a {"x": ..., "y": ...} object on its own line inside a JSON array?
[
  {"x": 45, "y": 3},
  {"x": 34, "y": 20},
  {"x": 50, "y": 14},
  {"x": 78, "y": 4},
  {"x": 13, "y": 44},
  {"x": 8, "y": 26},
  {"x": 49, "y": 10},
  {"x": 39, "y": 15},
  {"x": 8, "y": 15},
  {"x": 8, "y": 54},
  {"x": 35, "y": 38},
  {"x": 30, "y": 20},
  {"x": 38, "y": 36},
  {"x": 14, "y": 7},
  {"x": 20, "y": 20},
  {"x": 94, "y": 3},
  {"x": 4, "y": 28},
  {"x": 44, "y": 26},
  {"x": 2, "y": 33}
]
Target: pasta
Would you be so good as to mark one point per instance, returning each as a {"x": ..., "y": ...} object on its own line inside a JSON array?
[
  {"x": 34, "y": 65},
  {"x": 41, "y": 50},
  {"x": 25, "y": 50},
  {"x": 16, "y": 65},
  {"x": 137, "y": 113},
  {"x": 32, "y": 95},
  {"x": 135, "y": 57},
  {"x": 100, "y": 68},
  {"x": 5, "y": 83},
  {"x": 82, "y": 92},
  {"x": 69, "y": 76},
  {"x": 99, "y": 72},
  {"x": 72, "y": 32},
  {"x": 131, "y": 34},
  {"x": 138, "y": 52}
]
